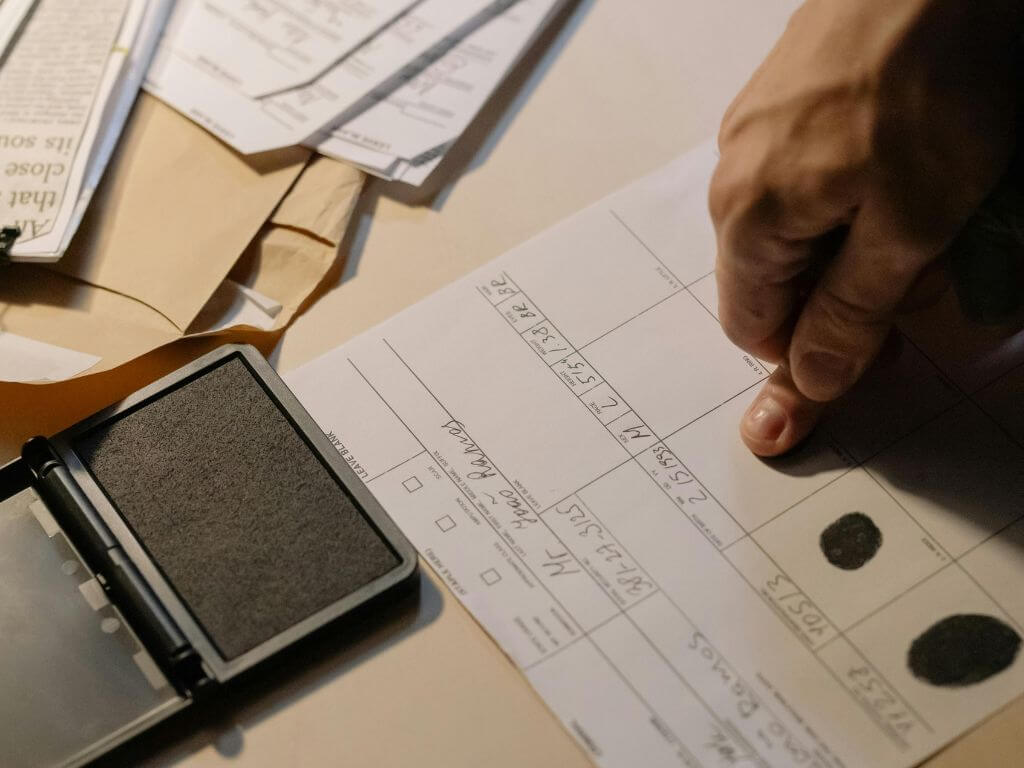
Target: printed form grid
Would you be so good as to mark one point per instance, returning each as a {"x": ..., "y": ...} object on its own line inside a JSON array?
[
  {"x": 742, "y": 747},
  {"x": 633, "y": 595},
  {"x": 545, "y": 325}
]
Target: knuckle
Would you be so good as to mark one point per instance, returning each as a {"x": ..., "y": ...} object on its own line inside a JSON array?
[
  {"x": 848, "y": 308},
  {"x": 818, "y": 186},
  {"x": 734, "y": 330},
  {"x": 744, "y": 323},
  {"x": 722, "y": 194},
  {"x": 732, "y": 322},
  {"x": 738, "y": 188}
]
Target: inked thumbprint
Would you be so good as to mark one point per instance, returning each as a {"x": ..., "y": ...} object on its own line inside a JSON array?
[
  {"x": 963, "y": 649},
  {"x": 851, "y": 541}
]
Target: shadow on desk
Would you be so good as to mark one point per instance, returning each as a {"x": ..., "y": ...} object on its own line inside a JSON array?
[{"x": 322, "y": 660}]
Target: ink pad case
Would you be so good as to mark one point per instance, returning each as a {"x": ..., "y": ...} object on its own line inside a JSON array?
[{"x": 158, "y": 549}]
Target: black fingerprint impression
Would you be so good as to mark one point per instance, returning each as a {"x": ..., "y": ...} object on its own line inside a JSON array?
[
  {"x": 963, "y": 649},
  {"x": 851, "y": 541}
]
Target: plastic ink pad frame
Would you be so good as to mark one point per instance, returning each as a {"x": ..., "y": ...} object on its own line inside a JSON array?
[{"x": 198, "y": 667}]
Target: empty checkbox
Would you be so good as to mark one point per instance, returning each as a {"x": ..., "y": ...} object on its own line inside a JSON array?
[
  {"x": 445, "y": 523},
  {"x": 490, "y": 576},
  {"x": 412, "y": 484}
]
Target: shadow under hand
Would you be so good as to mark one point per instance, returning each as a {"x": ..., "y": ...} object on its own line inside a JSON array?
[{"x": 948, "y": 462}]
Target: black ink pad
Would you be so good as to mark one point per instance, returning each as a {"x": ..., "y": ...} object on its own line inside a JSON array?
[
  {"x": 164, "y": 546},
  {"x": 963, "y": 649},
  {"x": 242, "y": 518},
  {"x": 851, "y": 541}
]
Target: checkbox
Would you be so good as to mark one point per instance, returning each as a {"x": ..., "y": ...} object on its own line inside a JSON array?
[
  {"x": 445, "y": 523},
  {"x": 490, "y": 576},
  {"x": 412, "y": 484}
]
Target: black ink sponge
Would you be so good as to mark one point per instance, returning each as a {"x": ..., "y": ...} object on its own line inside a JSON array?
[
  {"x": 963, "y": 649},
  {"x": 241, "y": 516},
  {"x": 851, "y": 541}
]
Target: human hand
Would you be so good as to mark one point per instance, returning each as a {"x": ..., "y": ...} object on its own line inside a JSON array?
[{"x": 849, "y": 162}]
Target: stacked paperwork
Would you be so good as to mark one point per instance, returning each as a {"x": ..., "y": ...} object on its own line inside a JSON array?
[
  {"x": 387, "y": 86},
  {"x": 384, "y": 85},
  {"x": 69, "y": 73}
]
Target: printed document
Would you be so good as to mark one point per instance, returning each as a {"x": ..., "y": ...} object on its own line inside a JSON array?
[
  {"x": 55, "y": 74},
  {"x": 391, "y": 106},
  {"x": 436, "y": 106},
  {"x": 274, "y": 45},
  {"x": 68, "y": 83},
  {"x": 182, "y": 76},
  {"x": 557, "y": 435}
]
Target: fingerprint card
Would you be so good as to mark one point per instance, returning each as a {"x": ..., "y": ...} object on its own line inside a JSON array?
[
  {"x": 678, "y": 600},
  {"x": 959, "y": 476},
  {"x": 996, "y": 565},
  {"x": 852, "y": 548},
  {"x": 947, "y": 647}
]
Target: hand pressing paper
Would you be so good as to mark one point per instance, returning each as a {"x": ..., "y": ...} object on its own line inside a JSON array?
[{"x": 674, "y": 599}]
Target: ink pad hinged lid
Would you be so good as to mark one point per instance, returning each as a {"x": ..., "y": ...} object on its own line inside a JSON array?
[{"x": 218, "y": 517}]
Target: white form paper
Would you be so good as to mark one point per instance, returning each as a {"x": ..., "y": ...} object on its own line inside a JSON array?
[
  {"x": 56, "y": 75},
  {"x": 435, "y": 107},
  {"x": 416, "y": 174},
  {"x": 266, "y": 46},
  {"x": 391, "y": 168},
  {"x": 25, "y": 360},
  {"x": 557, "y": 434},
  {"x": 288, "y": 118},
  {"x": 131, "y": 57}
]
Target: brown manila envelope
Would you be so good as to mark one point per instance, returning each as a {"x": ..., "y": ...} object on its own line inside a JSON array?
[{"x": 176, "y": 213}]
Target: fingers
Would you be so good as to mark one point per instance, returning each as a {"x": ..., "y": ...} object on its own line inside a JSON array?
[
  {"x": 849, "y": 313},
  {"x": 755, "y": 312},
  {"x": 769, "y": 232},
  {"x": 780, "y": 416}
]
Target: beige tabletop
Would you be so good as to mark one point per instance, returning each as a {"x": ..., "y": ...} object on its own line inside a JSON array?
[{"x": 618, "y": 89}]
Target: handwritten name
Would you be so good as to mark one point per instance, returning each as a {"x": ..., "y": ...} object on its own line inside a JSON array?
[{"x": 482, "y": 467}]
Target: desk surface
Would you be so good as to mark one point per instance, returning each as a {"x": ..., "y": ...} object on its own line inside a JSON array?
[{"x": 616, "y": 93}]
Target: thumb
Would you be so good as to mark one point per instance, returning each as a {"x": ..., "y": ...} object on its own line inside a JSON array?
[
  {"x": 851, "y": 309},
  {"x": 780, "y": 416}
]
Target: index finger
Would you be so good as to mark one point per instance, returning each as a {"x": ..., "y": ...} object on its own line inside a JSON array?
[{"x": 767, "y": 234}]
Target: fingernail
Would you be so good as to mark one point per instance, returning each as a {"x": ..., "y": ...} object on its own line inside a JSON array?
[
  {"x": 765, "y": 419},
  {"x": 829, "y": 373}
]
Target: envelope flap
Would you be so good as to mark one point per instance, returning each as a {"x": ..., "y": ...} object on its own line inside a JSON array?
[
  {"x": 175, "y": 210},
  {"x": 322, "y": 199},
  {"x": 52, "y": 309}
]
